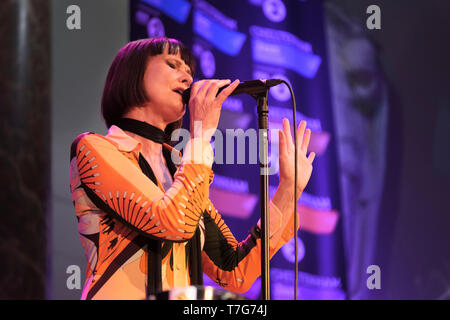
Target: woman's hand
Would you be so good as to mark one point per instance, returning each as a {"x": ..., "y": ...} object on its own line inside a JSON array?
[
  {"x": 287, "y": 158},
  {"x": 205, "y": 106}
]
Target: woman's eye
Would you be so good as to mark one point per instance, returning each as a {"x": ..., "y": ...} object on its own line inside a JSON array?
[{"x": 171, "y": 65}]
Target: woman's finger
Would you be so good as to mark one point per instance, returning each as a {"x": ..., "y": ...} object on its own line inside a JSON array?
[
  {"x": 311, "y": 157},
  {"x": 287, "y": 133},
  {"x": 306, "y": 139},
  {"x": 211, "y": 94},
  {"x": 196, "y": 87},
  {"x": 300, "y": 133},
  {"x": 198, "y": 92},
  {"x": 227, "y": 91},
  {"x": 282, "y": 147}
]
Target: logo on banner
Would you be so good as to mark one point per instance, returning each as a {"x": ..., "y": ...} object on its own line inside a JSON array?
[
  {"x": 274, "y": 10},
  {"x": 280, "y": 48},
  {"x": 280, "y": 92},
  {"x": 288, "y": 250},
  {"x": 207, "y": 59},
  {"x": 207, "y": 63},
  {"x": 311, "y": 286},
  {"x": 225, "y": 190},
  {"x": 217, "y": 29},
  {"x": 176, "y": 9},
  {"x": 155, "y": 28}
]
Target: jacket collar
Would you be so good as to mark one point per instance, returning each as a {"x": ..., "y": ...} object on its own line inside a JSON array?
[{"x": 123, "y": 141}]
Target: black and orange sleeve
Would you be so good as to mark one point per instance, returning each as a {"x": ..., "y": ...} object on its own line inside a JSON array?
[{"x": 135, "y": 199}]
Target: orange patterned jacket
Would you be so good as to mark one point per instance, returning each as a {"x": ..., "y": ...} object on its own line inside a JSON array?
[{"x": 108, "y": 167}]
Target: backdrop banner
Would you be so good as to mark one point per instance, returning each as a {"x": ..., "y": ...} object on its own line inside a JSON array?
[{"x": 261, "y": 39}]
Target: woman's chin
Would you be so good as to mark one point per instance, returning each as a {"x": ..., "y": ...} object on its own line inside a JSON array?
[
  {"x": 182, "y": 112},
  {"x": 179, "y": 114}
]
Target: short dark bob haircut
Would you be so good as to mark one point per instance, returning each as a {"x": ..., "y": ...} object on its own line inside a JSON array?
[{"x": 124, "y": 86}]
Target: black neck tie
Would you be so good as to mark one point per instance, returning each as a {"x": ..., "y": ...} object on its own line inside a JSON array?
[
  {"x": 153, "y": 133},
  {"x": 143, "y": 129}
]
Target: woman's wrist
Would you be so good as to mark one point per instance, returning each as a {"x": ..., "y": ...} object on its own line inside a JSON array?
[
  {"x": 198, "y": 151},
  {"x": 284, "y": 197},
  {"x": 201, "y": 130},
  {"x": 287, "y": 185}
]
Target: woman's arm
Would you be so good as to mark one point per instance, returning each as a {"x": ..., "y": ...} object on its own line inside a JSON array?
[
  {"x": 132, "y": 197},
  {"x": 235, "y": 266},
  {"x": 135, "y": 199}
]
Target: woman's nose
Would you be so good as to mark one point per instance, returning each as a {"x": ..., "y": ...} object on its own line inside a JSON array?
[{"x": 186, "y": 78}]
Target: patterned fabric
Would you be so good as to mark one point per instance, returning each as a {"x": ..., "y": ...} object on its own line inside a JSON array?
[{"x": 108, "y": 166}]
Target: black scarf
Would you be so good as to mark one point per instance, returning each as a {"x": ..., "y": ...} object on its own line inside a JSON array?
[
  {"x": 143, "y": 129},
  {"x": 157, "y": 249}
]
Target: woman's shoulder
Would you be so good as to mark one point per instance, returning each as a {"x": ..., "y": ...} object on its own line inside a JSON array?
[{"x": 88, "y": 138}]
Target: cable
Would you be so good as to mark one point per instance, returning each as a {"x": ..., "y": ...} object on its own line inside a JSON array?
[{"x": 295, "y": 186}]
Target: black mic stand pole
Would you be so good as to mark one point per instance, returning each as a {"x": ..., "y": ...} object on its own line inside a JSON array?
[{"x": 263, "y": 124}]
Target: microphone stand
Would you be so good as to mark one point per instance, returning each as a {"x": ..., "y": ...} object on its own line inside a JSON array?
[
  {"x": 259, "y": 89},
  {"x": 263, "y": 124}
]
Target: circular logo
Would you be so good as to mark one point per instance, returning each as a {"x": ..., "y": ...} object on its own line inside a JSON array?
[
  {"x": 155, "y": 28},
  {"x": 289, "y": 250},
  {"x": 274, "y": 10},
  {"x": 207, "y": 63},
  {"x": 280, "y": 92}
]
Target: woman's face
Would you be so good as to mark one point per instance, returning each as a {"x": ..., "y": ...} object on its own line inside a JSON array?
[{"x": 166, "y": 77}]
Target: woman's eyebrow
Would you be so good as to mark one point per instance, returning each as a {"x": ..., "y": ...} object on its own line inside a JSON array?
[{"x": 179, "y": 63}]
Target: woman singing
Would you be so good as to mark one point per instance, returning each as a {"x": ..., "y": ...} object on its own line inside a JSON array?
[{"x": 147, "y": 225}]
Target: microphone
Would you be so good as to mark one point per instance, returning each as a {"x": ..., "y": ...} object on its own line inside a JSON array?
[{"x": 250, "y": 87}]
